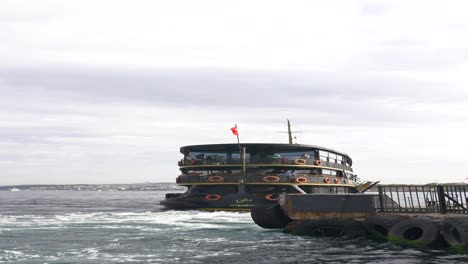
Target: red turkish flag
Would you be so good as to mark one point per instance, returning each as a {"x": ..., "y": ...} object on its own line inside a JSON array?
[{"x": 234, "y": 131}]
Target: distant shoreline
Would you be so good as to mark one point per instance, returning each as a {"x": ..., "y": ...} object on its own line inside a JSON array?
[{"x": 95, "y": 187}]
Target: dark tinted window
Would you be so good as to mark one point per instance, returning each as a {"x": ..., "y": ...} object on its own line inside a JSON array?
[
  {"x": 269, "y": 189},
  {"x": 220, "y": 189}
]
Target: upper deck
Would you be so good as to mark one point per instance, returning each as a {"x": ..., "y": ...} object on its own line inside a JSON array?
[{"x": 263, "y": 154}]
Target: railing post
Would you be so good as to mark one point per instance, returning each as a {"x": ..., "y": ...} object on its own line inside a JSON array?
[
  {"x": 442, "y": 203},
  {"x": 381, "y": 198},
  {"x": 243, "y": 161}
]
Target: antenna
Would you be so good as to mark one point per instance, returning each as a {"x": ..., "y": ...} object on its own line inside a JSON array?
[{"x": 290, "y": 132}]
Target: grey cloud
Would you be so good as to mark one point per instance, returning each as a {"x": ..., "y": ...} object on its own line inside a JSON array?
[
  {"x": 156, "y": 87},
  {"x": 347, "y": 98},
  {"x": 216, "y": 87},
  {"x": 41, "y": 134}
]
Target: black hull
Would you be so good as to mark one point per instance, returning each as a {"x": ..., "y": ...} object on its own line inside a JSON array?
[{"x": 232, "y": 202}]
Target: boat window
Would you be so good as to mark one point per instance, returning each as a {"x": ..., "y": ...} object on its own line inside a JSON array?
[
  {"x": 280, "y": 157},
  {"x": 207, "y": 157},
  {"x": 265, "y": 189},
  {"x": 267, "y": 158},
  {"x": 210, "y": 172},
  {"x": 223, "y": 172},
  {"x": 330, "y": 172},
  {"x": 307, "y": 155},
  {"x": 264, "y": 171},
  {"x": 351, "y": 176},
  {"x": 315, "y": 189},
  {"x": 323, "y": 155},
  {"x": 218, "y": 189},
  {"x": 302, "y": 171},
  {"x": 196, "y": 173},
  {"x": 235, "y": 158},
  {"x": 348, "y": 162},
  {"x": 331, "y": 157},
  {"x": 340, "y": 159},
  {"x": 216, "y": 158},
  {"x": 193, "y": 155},
  {"x": 315, "y": 172}
]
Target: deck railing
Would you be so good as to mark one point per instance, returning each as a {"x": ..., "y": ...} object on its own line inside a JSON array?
[
  {"x": 261, "y": 161},
  {"x": 188, "y": 179},
  {"x": 423, "y": 199}
]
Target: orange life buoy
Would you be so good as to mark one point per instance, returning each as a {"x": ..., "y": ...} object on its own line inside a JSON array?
[
  {"x": 300, "y": 161},
  {"x": 326, "y": 180},
  {"x": 215, "y": 179},
  {"x": 336, "y": 181},
  {"x": 318, "y": 162},
  {"x": 212, "y": 197},
  {"x": 271, "y": 197},
  {"x": 300, "y": 180},
  {"x": 270, "y": 178}
]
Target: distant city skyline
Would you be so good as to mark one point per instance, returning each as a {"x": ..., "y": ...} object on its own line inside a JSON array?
[
  {"x": 107, "y": 92},
  {"x": 94, "y": 187}
]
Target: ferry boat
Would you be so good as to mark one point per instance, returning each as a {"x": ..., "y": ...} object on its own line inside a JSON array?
[{"x": 242, "y": 176}]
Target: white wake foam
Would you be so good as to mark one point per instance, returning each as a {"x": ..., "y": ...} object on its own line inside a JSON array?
[{"x": 162, "y": 219}]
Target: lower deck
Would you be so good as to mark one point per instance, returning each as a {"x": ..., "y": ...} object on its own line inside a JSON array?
[{"x": 243, "y": 196}]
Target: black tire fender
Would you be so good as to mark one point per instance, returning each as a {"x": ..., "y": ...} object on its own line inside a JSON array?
[
  {"x": 455, "y": 233},
  {"x": 415, "y": 231},
  {"x": 378, "y": 226}
]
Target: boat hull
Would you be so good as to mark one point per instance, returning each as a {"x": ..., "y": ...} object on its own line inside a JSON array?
[{"x": 230, "y": 202}]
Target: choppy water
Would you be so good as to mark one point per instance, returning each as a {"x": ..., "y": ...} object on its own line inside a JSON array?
[{"x": 131, "y": 227}]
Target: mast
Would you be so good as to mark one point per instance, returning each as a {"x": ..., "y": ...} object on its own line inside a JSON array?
[{"x": 289, "y": 132}]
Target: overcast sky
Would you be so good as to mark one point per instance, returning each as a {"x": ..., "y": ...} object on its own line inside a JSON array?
[{"x": 108, "y": 91}]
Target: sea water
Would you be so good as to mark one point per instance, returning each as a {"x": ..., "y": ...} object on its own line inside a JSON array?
[{"x": 131, "y": 227}]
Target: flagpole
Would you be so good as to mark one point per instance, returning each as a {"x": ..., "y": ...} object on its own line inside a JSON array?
[
  {"x": 241, "y": 155},
  {"x": 238, "y": 142}
]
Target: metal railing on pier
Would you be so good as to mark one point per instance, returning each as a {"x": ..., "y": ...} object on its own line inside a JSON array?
[{"x": 423, "y": 199}]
